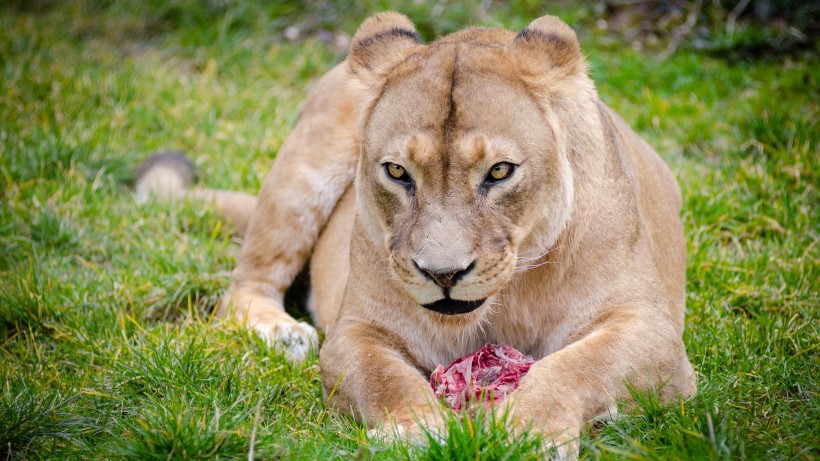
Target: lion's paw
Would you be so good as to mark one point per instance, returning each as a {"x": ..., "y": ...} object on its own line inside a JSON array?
[
  {"x": 294, "y": 339},
  {"x": 411, "y": 432},
  {"x": 562, "y": 449},
  {"x": 387, "y": 436}
]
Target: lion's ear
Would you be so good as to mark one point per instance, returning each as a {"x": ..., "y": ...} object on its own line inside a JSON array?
[
  {"x": 549, "y": 44},
  {"x": 380, "y": 43}
]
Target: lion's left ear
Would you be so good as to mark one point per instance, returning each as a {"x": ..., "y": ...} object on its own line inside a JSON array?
[{"x": 546, "y": 45}]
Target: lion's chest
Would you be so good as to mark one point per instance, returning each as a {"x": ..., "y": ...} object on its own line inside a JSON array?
[{"x": 531, "y": 325}]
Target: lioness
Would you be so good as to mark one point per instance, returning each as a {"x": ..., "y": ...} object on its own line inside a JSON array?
[{"x": 467, "y": 191}]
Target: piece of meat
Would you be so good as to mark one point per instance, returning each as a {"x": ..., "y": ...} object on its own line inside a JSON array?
[{"x": 486, "y": 375}]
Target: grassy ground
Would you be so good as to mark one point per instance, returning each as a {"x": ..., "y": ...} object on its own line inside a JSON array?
[{"x": 106, "y": 346}]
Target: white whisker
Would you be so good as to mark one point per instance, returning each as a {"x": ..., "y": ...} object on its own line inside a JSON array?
[
  {"x": 526, "y": 267},
  {"x": 533, "y": 266},
  {"x": 549, "y": 250}
]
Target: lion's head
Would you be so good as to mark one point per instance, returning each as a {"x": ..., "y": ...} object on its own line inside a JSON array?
[{"x": 466, "y": 151}]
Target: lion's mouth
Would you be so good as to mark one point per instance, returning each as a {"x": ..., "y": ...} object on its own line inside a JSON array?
[{"x": 450, "y": 306}]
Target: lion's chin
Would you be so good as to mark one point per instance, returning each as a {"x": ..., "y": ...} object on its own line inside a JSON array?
[{"x": 450, "y": 306}]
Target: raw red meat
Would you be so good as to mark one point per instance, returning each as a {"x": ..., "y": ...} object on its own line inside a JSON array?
[{"x": 492, "y": 372}]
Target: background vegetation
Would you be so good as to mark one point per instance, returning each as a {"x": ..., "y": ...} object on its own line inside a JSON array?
[{"x": 107, "y": 349}]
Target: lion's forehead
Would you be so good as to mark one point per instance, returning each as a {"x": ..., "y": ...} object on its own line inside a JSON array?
[
  {"x": 455, "y": 83},
  {"x": 451, "y": 110}
]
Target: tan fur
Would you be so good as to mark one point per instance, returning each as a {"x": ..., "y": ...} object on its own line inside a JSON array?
[{"x": 580, "y": 252}]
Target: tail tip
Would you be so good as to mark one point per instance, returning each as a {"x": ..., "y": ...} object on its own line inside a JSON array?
[{"x": 164, "y": 175}]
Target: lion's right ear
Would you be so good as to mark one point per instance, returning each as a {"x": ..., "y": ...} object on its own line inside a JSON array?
[{"x": 381, "y": 42}]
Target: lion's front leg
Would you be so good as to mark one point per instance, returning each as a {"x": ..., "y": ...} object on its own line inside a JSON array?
[
  {"x": 622, "y": 347},
  {"x": 366, "y": 370},
  {"x": 315, "y": 165}
]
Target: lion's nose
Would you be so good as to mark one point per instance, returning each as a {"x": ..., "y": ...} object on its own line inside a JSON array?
[{"x": 445, "y": 278}]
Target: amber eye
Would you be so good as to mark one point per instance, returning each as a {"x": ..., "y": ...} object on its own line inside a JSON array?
[
  {"x": 396, "y": 171},
  {"x": 500, "y": 171}
]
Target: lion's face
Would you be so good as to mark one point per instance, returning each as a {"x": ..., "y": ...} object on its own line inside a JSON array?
[{"x": 462, "y": 166}]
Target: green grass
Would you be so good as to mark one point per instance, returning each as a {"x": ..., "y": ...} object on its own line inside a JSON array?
[{"x": 107, "y": 346}]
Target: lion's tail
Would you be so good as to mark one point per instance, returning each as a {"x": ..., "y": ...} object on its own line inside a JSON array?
[{"x": 170, "y": 176}]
